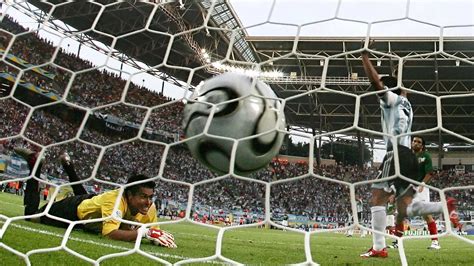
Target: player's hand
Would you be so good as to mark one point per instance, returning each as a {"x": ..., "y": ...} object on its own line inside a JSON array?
[
  {"x": 160, "y": 238},
  {"x": 370, "y": 46},
  {"x": 421, "y": 187}
]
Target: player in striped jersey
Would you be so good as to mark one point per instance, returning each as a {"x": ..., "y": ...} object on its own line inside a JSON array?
[{"x": 396, "y": 118}]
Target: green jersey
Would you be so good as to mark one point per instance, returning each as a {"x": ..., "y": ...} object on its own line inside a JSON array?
[{"x": 425, "y": 165}]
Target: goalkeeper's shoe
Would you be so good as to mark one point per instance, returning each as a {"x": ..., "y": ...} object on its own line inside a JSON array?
[
  {"x": 27, "y": 154},
  {"x": 372, "y": 253},
  {"x": 453, "y": 215},
  {"x": 65, "y": 159},
  {"x": 160, "y": 238}
]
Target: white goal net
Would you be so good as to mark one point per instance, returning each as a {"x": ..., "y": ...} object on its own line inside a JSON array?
[{"x": 107, "y": 82}]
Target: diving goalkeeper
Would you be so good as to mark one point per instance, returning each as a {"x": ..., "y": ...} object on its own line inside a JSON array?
[{"x": 135, "y": 205}]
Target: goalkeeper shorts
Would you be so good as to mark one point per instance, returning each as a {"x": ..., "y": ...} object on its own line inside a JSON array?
[
  {"x": 408, "y": 168},
  {"x": 66, "y": 209}
]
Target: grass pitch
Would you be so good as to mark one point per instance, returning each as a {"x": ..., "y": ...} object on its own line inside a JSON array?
[{"x": 254, "y": 246}]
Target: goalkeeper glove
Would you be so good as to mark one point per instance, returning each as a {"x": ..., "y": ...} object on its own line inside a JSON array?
[{"x": 160, "y": 237}]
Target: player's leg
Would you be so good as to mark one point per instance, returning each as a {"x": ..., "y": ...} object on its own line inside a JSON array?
[
  {"x": 419, "y": 208},
  {"x": 390, "y": 223},
  {"x": 391, "y": 227},
  {"x": 363, "y": 232},
  {"x": 68, "y": 166},
  {"x": 422, "y": 208},
  {"x": 404, "y": 198},
  {"x": 404, "y": 189},
  {"x": 431, "y": 223},
  {"x": 379, "y": 220},
  {"x": 399, "y": 230},
  {"x": 424, "y": 196},
  {"x": 350, "y": 232},
  {"x": 65, "y": 209},
  {"x": 31, "y": 197},
  {"x": 380, "y": 194}
]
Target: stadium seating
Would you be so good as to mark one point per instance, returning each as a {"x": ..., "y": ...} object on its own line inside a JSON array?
[{"x": 315, "y": 199}]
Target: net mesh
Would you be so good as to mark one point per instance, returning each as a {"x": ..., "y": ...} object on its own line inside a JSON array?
[{"x": 112, "y": 125}]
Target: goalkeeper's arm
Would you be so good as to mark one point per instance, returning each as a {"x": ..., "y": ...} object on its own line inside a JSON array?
[
  {"x": 156, "y": 236},
  {"x": 123, "y": 235}
]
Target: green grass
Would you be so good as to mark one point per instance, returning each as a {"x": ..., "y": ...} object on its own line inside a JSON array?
[{"x": 252, "y": 246}]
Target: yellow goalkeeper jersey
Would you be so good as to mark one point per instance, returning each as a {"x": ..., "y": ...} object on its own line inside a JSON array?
[{"x": 102, "y": 205}]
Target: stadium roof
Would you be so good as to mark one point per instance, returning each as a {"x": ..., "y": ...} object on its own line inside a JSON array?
[
  {"x": 448, "y": 73},
  {"x": 437, "y": 74}
]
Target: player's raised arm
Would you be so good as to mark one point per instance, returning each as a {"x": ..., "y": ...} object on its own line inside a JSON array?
[{"x": 371, "y": 72}]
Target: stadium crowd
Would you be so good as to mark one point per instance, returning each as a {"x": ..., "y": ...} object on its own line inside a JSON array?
[{"x": 310, "y": 196}]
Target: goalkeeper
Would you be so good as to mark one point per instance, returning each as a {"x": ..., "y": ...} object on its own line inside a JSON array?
[{"x": 135, "y": 205}]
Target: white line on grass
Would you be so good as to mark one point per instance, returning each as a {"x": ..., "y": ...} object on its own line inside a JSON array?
[
  {"x": 45, "y": 232},
  {"x": 16, "y": 204}
]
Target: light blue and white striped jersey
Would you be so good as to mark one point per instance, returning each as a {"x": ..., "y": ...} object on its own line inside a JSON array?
[{"x": 397, "y": 117}]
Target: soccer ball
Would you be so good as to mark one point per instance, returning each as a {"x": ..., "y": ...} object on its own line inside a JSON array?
[{"x": 244, "y": 107}]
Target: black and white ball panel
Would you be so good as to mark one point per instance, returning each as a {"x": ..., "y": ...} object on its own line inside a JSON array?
[{"x": 244, "y": 108}]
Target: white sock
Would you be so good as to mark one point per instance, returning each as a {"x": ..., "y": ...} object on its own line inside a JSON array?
[
  {"x": 379, "y": 222},
  {"x": 420, "y": 208}
]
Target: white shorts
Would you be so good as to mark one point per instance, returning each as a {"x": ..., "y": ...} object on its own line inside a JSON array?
[
  {"x": 423, "y": 196},
  {"x": 390, "y": 220}
]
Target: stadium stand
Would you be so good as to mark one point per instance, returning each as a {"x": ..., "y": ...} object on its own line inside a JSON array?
[{"x": 317, "y": 200}]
